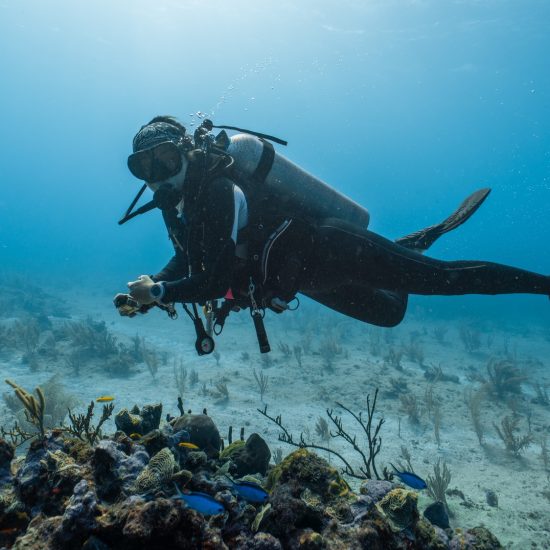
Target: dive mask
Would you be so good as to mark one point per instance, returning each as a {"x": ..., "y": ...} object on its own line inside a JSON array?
[{"x": 157, "y": 163}]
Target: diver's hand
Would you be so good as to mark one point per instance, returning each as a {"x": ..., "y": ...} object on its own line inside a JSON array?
[{"x": 140, "y": 290}]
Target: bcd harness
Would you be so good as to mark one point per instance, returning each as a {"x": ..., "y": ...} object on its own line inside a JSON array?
[
  {"x": 249, "y": 284},
  {"x": 250, "y": 287}
]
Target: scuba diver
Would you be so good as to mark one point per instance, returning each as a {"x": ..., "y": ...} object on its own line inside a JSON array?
[{"x": 250, "y": 229}]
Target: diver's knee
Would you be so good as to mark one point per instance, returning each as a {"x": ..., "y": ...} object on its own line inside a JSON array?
[
  {"x": 393, "y": 321},
  {"x": 384, "y": 319},
  {"x": 390, "y": 317}
]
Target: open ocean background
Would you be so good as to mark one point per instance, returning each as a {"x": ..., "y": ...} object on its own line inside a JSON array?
[{"x": 406, "y": 106}]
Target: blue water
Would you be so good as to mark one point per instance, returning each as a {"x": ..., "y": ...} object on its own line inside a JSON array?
[{"x": 406, "y": 106}]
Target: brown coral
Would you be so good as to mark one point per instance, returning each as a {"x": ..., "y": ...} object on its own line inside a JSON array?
[
  {"x": 156, "y": 473},
  {"x": 312, "y": 472},
  {"x": 399, "y": 508}
]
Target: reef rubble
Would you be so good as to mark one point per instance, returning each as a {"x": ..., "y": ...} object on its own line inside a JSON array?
[{"x": 118, "y": 493}]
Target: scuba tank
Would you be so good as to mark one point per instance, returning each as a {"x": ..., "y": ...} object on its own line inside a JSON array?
[
  {"x": 285, "y": 187},
  {"x": 274, "y": 187}
]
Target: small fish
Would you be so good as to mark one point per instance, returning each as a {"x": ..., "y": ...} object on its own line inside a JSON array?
[
  {"x": 410, "y": 479},
  {"x": 187, "y": 445},
  {"x": 200, "y": 502},
  {"x": 178, "y": 437},
  {"x": 135, "y": 436},
  {"x": 250, "y": 491},
  {"x": 105, "y": 399}
]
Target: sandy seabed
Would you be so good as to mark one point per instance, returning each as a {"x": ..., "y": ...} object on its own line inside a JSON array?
[{"x": 302, "y": 395}]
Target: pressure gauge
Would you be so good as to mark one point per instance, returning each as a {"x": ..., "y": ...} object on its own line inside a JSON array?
[{"x": 204, "y": 345}]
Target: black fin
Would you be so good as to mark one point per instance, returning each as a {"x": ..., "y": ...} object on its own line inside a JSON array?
[{"x": 423, "y": 239}]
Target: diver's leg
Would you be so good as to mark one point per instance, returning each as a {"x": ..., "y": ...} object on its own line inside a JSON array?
[
  {"x": 335, "y": 285},
  {"x": 373, "y": 260},
  {"x": 370, "y": 305}
]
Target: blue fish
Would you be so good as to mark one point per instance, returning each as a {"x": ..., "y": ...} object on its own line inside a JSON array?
[
  {"x": 250, "y": 491},
  {"x": 200, "y": 502},
  {"x": 410, "y": 479}
]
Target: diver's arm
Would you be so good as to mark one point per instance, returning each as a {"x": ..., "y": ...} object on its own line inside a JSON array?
[
  {"x": 211, "y": 283},
  {"x": 175, "y": 269},
  {"x": 178, "y": 266},
  {"x": 220, "y": 220}
]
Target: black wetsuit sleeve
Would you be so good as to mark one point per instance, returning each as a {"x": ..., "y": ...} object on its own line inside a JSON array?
[
  {"x": 175, "y": 269},
  {"x": 210, "y": 248}
]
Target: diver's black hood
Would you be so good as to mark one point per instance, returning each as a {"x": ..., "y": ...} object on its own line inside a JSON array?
[{"x": 154, "y": 133}]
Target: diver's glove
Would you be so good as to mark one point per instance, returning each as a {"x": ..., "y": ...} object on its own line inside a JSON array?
[{"x": 145, "y": 290}]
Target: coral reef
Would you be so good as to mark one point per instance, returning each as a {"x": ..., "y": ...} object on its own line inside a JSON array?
[
  {"x": 262, "y": 380},
  {"x": 111, "y": 493},
  {"x": 436, "y": 514},
  {"x": 139, "y": 421},
  {"x": 21, "y": 296},
  {"x": 471, "y": 338},
  {"x": 81, "y": 424},
  {"x": 393, "y": 359},
  {"x": 158, "y": 472},
  {"x": 329, "y": 350},
  {"x": 414, "y": 351},
  {"x": 410, "y": 406},
  {"x": 89, "y": 341},
  {"x": 474, "y": 400},
  {"x": 436, "y": 374},
  {"x": 515, "y": 444},
  {"x": 74, "y": 346},
  {"x": 399, "y": 508},
  {"x": 250, "y": 457},
  {"x": 202, "y": 431},
  {"x": 180, "y": 377},
  {"x": 56, "y": 404},
  {"x": 439, "y": 482},
  {"x": 372, "y": 433},
  {"x": 505, "y": 379},
  {"x": 34, "y": 407}
]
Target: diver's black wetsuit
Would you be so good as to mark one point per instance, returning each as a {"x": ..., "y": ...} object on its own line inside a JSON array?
[
  {"x": 366, "y": 276},
  {"x": 348, "y": 269},
  {"x": 203, "y": 239}
]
